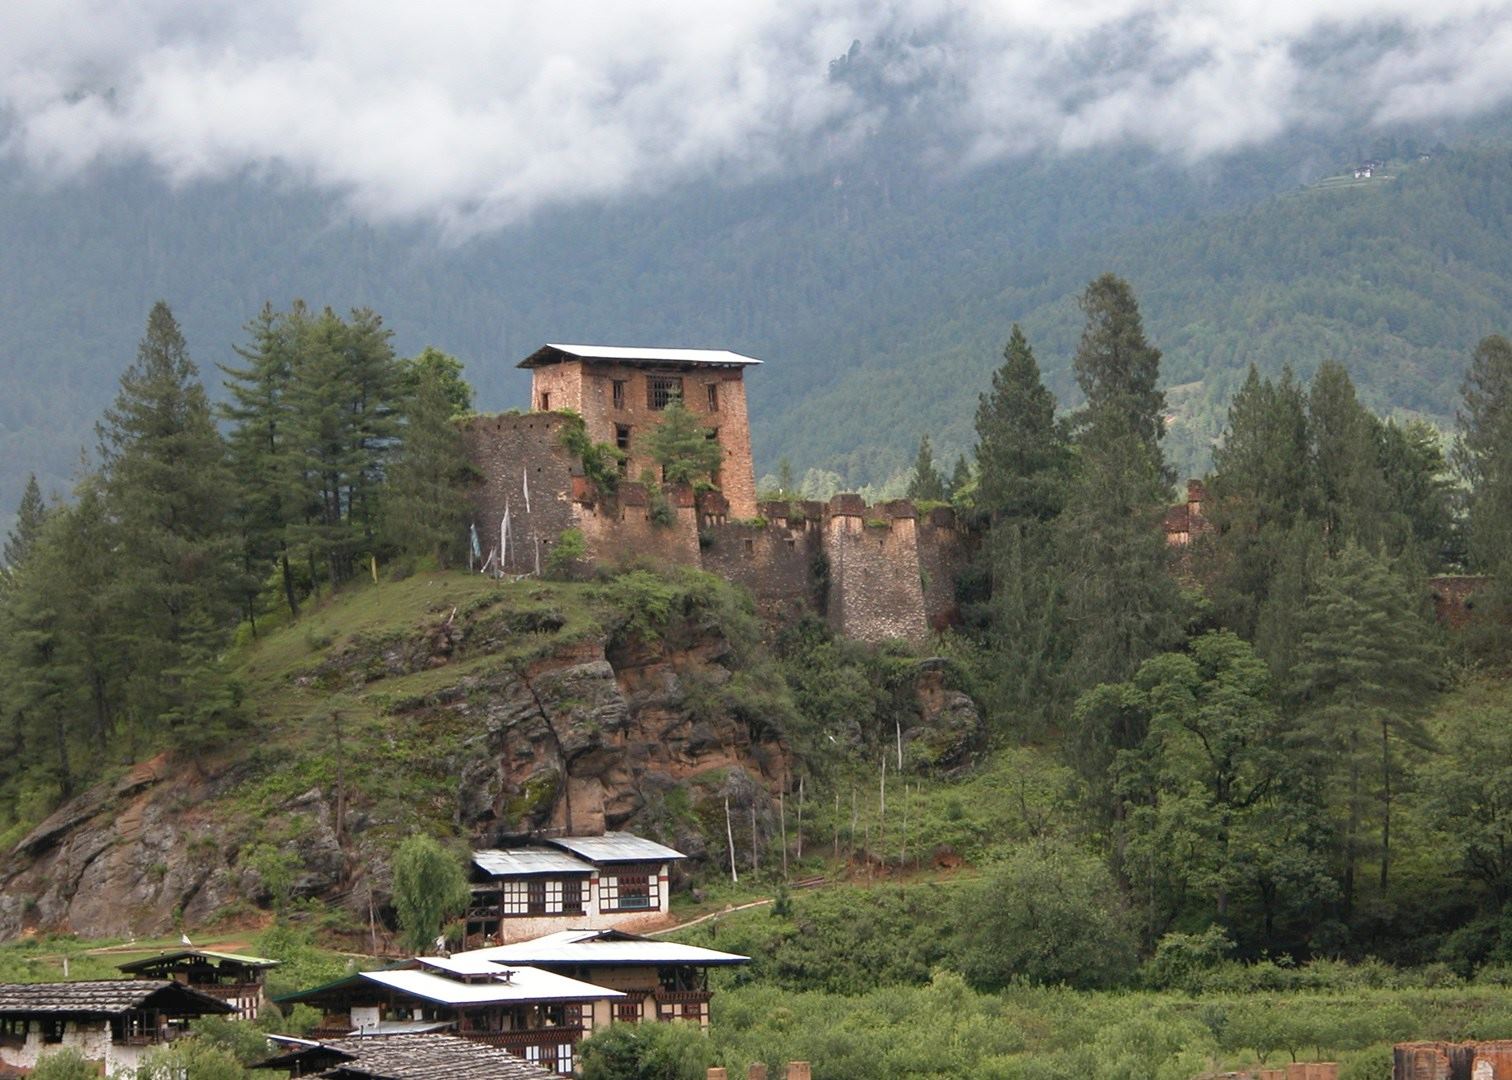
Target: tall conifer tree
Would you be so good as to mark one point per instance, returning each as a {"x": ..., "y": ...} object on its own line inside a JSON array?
[
  {"x": 426, "y": 501},
  {"x": 926, "y": 484},
  {"x": 1021, "y": 450}
]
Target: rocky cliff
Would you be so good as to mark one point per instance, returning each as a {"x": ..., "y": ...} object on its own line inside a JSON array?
[{"x": 493, "y": 716}]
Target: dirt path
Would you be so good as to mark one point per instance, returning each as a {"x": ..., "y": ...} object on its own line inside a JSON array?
[{"x": 706, "y": 918}]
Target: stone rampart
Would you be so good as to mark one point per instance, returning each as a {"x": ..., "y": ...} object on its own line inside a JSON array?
[{"x": 525, "y": 473}]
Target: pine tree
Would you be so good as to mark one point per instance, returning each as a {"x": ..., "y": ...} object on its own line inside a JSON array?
[
  {"x": 1021, "y": 451},
  {"x": 260, "y": 450},
  {"x": 425, "y": 503},
  {"x": 926, "y": 484},
  {"x": 1261, "y": 487},
  {"x": 441, "y": 369},
  {"x": 681, "y": 445},
  {"x": 167, "y": 494},
  {"x": 1351, "y": 491},
  {"x": 1482, "y": 456},
  {"x": 1367, "y": 661},
  {"x": 960, "y": 478},
  {"x": 30, "y": 514},
  {"x": 1116, "y": 368},
  {"x": 343, "y": 399},
  {"x": 1120, "y": 595}
]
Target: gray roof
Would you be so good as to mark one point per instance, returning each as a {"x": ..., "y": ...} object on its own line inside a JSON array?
[
  {"x": 553, "y": 353},
  {"x": 105, "y": 997},
  {"x": 519, "y": 862},
  {"x": 413, "y": 1057},
  {"x": 616, "y": 847}
]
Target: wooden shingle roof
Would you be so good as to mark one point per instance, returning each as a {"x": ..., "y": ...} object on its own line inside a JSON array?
[
  {"x": 426, "y": 1057},
  {"x": 105, "y": 997}
]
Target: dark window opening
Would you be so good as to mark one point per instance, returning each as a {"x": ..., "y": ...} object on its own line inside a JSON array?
[
  {"x": 572, "y": 897},
  {"x": 536, "y": 904},
  {"x": 546, "y": 402},
  {"x": 661, "y": 390},
  {"x": 622, "y": 438},
  {"x": 628, "y": 1012},
  {"x": 713, "y": 389},
  {"x": 52, "y": 1030},
  {"x": 619, "y": 393},
  {"x": 750, "y": 546}
]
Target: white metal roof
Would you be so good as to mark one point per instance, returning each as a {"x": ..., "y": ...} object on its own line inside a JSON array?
[
  {"x": 462, "y": 963},
  {"x": 525, "y": 984},
  {"x": 616, "y": 847},
  {"x": 711, "y": 357},
  {"x": 601, "y": 947},
  {"x": 516, "y": 862}
]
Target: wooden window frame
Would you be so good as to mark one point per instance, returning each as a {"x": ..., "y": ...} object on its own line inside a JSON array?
[
  {"x": 644, "y": 884},
  {"x": 617, "y": 393},
  {"x": 713, "y": 390},
  {"x": 661, "y": 389}
]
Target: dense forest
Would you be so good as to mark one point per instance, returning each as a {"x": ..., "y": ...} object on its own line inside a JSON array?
[{"x": 874, "y": 284}]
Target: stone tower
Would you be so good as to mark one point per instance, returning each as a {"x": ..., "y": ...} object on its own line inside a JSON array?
[{"x": 620, "y": 393}]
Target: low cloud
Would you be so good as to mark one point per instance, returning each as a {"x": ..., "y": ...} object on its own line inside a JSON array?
[{"x": 474, "y": 113}]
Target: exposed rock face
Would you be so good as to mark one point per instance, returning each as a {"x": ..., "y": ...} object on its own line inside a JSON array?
[{"x": 597, "y": 735}]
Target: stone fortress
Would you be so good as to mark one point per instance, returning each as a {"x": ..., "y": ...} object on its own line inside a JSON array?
[{"x": 873, "y": 572}]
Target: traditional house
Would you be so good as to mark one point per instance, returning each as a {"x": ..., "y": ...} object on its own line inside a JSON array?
[
  {"x": 400, "y": 1057},
  {"x": 112, "y": 1022},
  {"x": 620, "y": 393},
  {"x": 661, "y": 980},
  {"x": 538, "y": 1015},
  {"x": 235, "y": 979},
  {"x": 594, "y": 882}
]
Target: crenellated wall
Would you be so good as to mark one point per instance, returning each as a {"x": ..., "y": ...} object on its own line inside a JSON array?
[{"x": 873, "y": 572}]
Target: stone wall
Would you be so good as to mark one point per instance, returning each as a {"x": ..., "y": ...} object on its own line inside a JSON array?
[
  {"x": 774, "y": 559},
  {"x": 523, "y": 468},
  {"x": 943, "y": 554},
  {"x": 620, "y": 532},
  {"x": 875, "y": 590}
]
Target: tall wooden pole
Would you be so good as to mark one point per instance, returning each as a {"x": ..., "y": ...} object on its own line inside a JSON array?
[{"x": 730, "y": 836}]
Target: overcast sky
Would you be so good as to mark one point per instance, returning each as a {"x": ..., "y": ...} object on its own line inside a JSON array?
[{"x": 472, "y": 114}]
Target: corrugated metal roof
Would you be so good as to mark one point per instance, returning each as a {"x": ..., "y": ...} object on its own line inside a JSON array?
[
  {"x": 633, "y": 355},
  {"x": 616, "y": 847},
  {"x": 519, "y": 862},
  {"x": 526, "y": 984},
  {"x": 194, "y": 954},
  {"x": 462, "y": 963},
  {"x": 601, "y": 947},
  {"x": 106, "y": 997}
]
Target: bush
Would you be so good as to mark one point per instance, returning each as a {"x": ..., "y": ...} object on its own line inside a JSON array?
[
  {"x": 1181, "y": 959},
  {"x": 429, "y": 888},
  {"x": 65, "y": 1064},
  {"x": 675, "y": 1051},
  {"x": 569, "y": 549},
  {"x": 1042, "y": 916}
]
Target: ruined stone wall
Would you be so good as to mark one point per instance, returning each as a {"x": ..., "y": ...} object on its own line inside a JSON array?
[
  {"x": 875, "y": 591},
  {"x": 620, "y": 533},
  {"x": 510, "y": 453},
  {"x": 774, "y": 560},
  {"x": 942, "y": 556}
]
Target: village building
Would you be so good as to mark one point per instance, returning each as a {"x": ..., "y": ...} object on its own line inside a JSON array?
[
  {"x": 534, "y": 1014},
  {"x": 233, "y": 978},
  {"x": 571, "y": 882},
  {"x": 620, "y": 392},
  {"x": 661, "y": 980},
  {"x": 1185, "y": 522},
  {"x": 399, "y": 1057},
  {"x": 112, "y": 1022}
]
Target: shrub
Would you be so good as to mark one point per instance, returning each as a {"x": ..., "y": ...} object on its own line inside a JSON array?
[
  {"x": 570, "y": 547},
  {"x": 65, "y": 1064},
  {"x": 646, "y": 1052},
  {"x": 429, "y": 888}
]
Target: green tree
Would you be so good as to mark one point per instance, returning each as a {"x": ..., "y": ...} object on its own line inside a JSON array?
[
  {"x": 429, "y": 889},
  {"x": 1045, "y": 914},
  {"x": 1368, "y": 663},
  {"x": 1260, "y": 488},
  {"x": 960, "y": 478},
  {"x": 1469, "y": 798},
  {"x": 261, "y": 449},
  {"x": 925, "y": 483},
  {"x": 646, "y": 1052},
  {"x": 1482, "y": 456},
  {"x": 441, "y": 371},
  {"x": 167, "y": 493},
  {"x": 426, "y": 500},
  {"x": 1116, "y": 368},
  {"x": 193, "y": 1058},
  {"x": 1021, "y": 451},
  {"x": 683, "y": 447},
  {"x": 23, "y": 536},
  {"x": 344, "y": 400},
  {"x": 1352, "y": 494}
]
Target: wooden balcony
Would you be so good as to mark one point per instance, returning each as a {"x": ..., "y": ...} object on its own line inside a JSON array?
[{"x": 517, "y": 1041}]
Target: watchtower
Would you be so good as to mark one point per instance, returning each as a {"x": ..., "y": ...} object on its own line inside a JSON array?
[{"x": 620, "y": 392}]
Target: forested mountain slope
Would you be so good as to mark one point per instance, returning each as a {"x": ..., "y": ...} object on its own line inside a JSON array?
[{"x": 879, "y": 286}]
